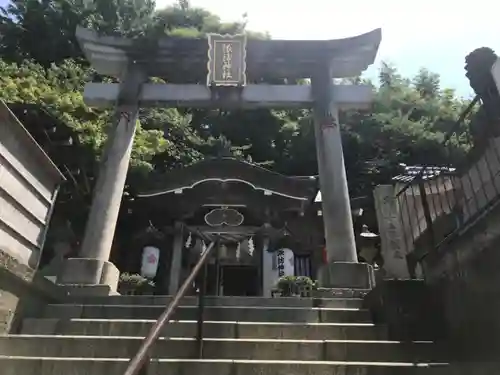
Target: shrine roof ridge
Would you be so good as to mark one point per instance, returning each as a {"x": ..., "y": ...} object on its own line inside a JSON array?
[
  {"x": 172, "y": 57},
  {"x": 231, "y": 170}
]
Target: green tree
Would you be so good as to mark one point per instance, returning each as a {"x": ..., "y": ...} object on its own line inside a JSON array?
[
  {"x": 45, "y": 30},
  {"x": 182, "y": 19},
  {"x": 59, "y": 90},
  {"x": 427, "y": 83},
  {"x": 405, "y": 125}
]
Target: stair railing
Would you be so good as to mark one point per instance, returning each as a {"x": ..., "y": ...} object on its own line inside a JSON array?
[{"x": 136, "y": 364}]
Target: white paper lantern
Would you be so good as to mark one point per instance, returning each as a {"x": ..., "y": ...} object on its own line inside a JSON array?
[
  {"x": 223, "y": 251},
  {"x": 238, "y": 251},
  {"x": 150, "y": 259}
]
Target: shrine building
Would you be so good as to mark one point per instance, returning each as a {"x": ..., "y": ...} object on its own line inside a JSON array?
[{"x": 266, "y": 225}]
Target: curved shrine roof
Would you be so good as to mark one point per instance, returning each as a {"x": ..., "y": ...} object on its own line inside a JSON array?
[
  {"x": 173, "y": 57},
  {"x": 231, "y": 170}
]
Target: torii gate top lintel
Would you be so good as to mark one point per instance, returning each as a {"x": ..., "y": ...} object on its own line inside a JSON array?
[{"x": 349, "y": 57}]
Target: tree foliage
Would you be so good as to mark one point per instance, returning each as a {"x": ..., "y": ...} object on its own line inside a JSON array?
[
  {"x": 58, "y": 89},
  {"x": 41, "y": 63}
]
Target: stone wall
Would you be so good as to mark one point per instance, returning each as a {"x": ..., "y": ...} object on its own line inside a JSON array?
[
  {"x": 462, "y": 275},
  {"x": 465, "y": 275},
  {"x": 22, "y": 293},
  {"x": 460, "y": 305},
  {"x": 464, "y": 271},
  {"x": 29, "y": 183}
]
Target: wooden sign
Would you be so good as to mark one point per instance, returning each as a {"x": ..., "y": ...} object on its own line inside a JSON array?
[{"x": 226, "y": 60}]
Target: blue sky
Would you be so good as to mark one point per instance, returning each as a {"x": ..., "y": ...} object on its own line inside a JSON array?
[{"x": 436, "y": 34}]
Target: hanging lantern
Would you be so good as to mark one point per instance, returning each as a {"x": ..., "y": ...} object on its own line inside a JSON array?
[
  {"x": 149, "y": 264},
  {"x": 223, "y": 251},
  {"x": 238, "y": 250},
  {"x": 251, "y": 246},
  {"x": 189, "y": 241}
]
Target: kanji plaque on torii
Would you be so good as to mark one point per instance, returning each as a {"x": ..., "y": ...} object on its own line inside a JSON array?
[{"x": 226, "y": 60}]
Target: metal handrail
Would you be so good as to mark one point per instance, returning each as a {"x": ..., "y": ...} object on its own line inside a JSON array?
[{"x": 136, "y": 363}]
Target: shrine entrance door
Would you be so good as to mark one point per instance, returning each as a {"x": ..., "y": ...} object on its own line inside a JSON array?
[{"x": 240, "y": 280}]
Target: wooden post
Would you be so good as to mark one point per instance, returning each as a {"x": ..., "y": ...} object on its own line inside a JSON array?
[
  {"x": 176, "y": 259},
  {"x": 427, "y": 213},
  {"x": 260, "y": 263},
  {"x": 217, "y": 269}
]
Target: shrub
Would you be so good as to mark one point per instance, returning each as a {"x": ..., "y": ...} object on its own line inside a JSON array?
[
  {"x": 135, "y": 284},
  {"x": 295, "y": 285}
]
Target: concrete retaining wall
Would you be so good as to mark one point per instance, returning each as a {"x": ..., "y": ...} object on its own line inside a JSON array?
[
  {"x": 28, "y": 187},
  {"x": 22, "y": 293},
  {"x": 466, "y": 277}
]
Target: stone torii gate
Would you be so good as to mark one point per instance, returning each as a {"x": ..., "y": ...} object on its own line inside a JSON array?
[{"x": 228, "y": 65}]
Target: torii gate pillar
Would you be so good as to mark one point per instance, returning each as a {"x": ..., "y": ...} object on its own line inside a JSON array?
[
  {"x": 92, "y": 266},
  {"x": 342, "y": 269}
]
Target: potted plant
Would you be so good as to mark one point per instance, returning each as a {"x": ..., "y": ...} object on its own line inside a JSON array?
[
  {"x": 135, "y": 284},
  {"x": 297, "y": 286}
]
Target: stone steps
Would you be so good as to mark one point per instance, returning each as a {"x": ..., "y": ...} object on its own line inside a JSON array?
[
  {"x": 223, "y": 301},
  {"x": 212, "y": 329},
  {"x": 292, "y": 336},
  {"x": 218, "y": 313},
  {"x": 111, "y": 366},
  {"x": 218, "y": 348}
]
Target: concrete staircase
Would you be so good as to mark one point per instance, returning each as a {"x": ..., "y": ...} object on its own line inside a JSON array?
[{"x": 243, "y": 336}]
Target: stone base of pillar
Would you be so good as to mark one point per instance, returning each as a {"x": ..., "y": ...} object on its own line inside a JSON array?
[
  {"x": 86, "y": 271},
  {"x": 343, "y": 275}
]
